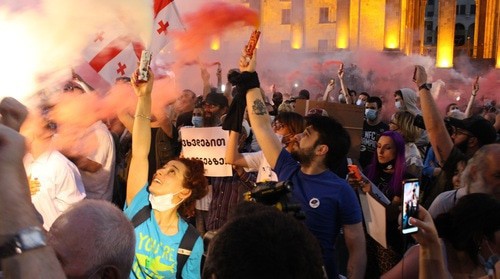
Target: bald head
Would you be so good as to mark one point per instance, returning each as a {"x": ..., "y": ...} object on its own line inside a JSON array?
[{"x": 93, "y": 237}]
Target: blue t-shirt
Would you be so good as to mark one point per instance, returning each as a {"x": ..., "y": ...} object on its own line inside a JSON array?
[
  {"x": 327, "y": 201},
  {"x": 155, "y": 252}
]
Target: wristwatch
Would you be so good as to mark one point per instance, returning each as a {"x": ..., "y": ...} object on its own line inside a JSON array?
[
  {"x": 26, "y": 239},
  {"x": 427, "y": 86}
]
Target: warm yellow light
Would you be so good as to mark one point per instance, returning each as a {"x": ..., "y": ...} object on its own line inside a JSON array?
[
  {"x": 444, "y": 55},
  {"x": 391, "y": 42},
  {"x": 342, "y": 43},
  {"x": 342, "y": 37},
  {"x": 297, "y": 37},
  {"x": 215, "y": 43}
]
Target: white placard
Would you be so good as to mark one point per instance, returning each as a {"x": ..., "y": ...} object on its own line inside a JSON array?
[
  {"x": 374, "y": 216},
  {"x": 208, "y": 145}
]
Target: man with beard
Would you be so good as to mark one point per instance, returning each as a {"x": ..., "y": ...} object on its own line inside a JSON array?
[
  {"x": 467, "y": 137},
  {"x": 479, "y": 176},
  {"x": 328, "y": 202}
]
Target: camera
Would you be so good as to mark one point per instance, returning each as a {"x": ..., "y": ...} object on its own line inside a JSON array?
[{"x": 276, "y": 194}]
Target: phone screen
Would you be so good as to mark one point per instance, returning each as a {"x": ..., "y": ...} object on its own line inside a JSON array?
[{"x": 411, "y": 190}]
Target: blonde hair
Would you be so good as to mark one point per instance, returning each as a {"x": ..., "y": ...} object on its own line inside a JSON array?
[{"x": 404, "y": 120}]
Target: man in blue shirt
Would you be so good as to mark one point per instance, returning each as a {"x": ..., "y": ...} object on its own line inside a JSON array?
[{"x": 328, "y": 202}]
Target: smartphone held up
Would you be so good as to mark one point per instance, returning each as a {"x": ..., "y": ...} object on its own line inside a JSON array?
[{"x": 411, "y": 190}]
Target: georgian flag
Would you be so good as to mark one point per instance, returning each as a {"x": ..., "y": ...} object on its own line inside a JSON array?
[{"x": 113, "y": 53}]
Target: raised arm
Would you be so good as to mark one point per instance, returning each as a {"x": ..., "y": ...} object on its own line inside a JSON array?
[
  {"x": 205, "y": 77},
  {"x": 328, "y": 90},
  {"x": 233, "y": 156},
  {"x": 141, "y": 137},
  {"x": 434, "y": 122},
  {"x": 475, "y": 89},
  {"x": 259, "y": 118},
  {"x": 342, "y": 85},
  {"x": 431, "y": 259}
]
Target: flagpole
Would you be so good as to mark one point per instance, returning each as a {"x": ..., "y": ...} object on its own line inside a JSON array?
[{"x": 179, "y": 16}]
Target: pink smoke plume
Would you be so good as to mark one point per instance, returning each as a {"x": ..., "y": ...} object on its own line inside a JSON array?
[{"x": 212, "y": 19}]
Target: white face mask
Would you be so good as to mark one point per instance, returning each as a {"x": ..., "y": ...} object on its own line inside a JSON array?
[
  {"x": 163, "y": 202},
  {"x": 360, "y": 102},
  {"x": 399, "y": 105}
]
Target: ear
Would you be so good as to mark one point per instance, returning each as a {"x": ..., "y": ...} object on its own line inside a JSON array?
[
  {"x": 110, "y": 272},
  {"x": 185, "y": 193},
  {"x": 321, "y": 149},
  {"x": 472, "y": 141}
]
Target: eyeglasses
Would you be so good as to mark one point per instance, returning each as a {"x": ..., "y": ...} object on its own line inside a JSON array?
[
  {"x": 210, "y": 106},
  {"x": 458, "y": 131},
  {"x": 277, "y": 125}
]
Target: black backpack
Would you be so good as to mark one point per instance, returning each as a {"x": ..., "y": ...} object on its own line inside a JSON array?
[{"x": 187, "y": 242}]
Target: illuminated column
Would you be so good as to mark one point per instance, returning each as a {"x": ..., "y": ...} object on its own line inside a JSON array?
[
  {"x": 446, "y": 33},
  {"x": 402, "y": 32},
  {"x": 486, "y": 28},
  {"x": 392, "y": 24},
  {"x": 497, "y": 39},
  {"x": 342, "y": 39},
  {"x": 297, "y": 24}
]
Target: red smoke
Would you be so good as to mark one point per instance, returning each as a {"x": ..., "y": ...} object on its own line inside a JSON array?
[{"x": 212, "y": 19}]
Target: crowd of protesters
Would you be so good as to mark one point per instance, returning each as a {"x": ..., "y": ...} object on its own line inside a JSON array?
[{"x": 133, "y": 206}]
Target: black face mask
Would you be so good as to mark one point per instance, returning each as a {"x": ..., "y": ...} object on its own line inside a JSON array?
[{"x": 386, "y": 166}]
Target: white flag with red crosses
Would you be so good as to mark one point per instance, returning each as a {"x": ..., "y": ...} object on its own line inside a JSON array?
[{"x": 112, "y": 53}]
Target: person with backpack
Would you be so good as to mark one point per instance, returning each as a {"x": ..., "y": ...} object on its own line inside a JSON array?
[{"x": 166, "y": 245}]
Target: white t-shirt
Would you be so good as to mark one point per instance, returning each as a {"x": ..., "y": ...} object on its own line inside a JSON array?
[
  {"x": 60, "y": 184},
  {"x": 256, "y": 161},
  {"x": 99, "y": 185}
]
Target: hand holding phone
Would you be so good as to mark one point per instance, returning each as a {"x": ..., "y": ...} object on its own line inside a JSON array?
[
  {"x": 411, "y": 190},
  {"x": 355, "y": 170}
]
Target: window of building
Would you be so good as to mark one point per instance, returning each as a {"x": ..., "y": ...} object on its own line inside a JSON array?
[
  {"x": 430, "y": 2},
  {"x": 285, "y": 16},
  {"x": 459, "y": 34},
  {"x": 428, "y": 40},
  {"x": 460, "y": 9},
  {"x": 428, "y": 25},
  {"x": 429, "y": 13},
  {"x": 322, "y": 45},
  {"x": 324, "y": 15},
  {"x": 472, "y": 9}
]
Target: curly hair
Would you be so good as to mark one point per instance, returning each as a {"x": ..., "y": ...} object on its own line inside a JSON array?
[{"x": 195, "y": 180}]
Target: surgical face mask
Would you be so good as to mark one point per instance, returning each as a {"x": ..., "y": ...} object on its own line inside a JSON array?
[
  {"x": 371, "y": 114},
  {"x": 360, "y": 102},
  {"x": 197, "y": 121},
  {"x": 399, "y": 105},
  {"x": 163, "y": 202}
]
